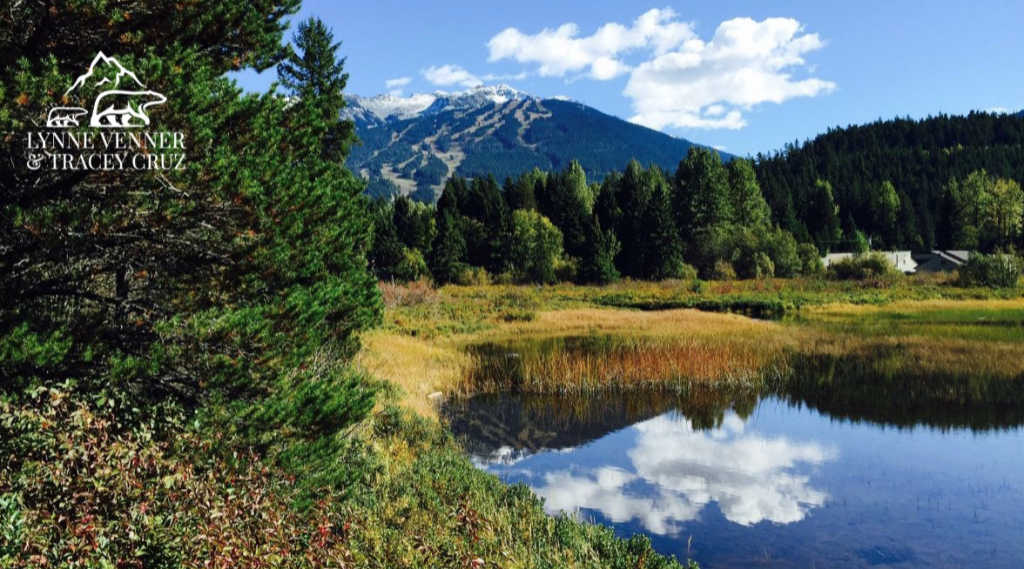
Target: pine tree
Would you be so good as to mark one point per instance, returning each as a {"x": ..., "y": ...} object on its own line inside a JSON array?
[
  {"x": 665, "y": 255},
  {"x": 317, "y": 77},
  {"x": 107, "y": 260},
  {"x": 702, "y": 195},
  {"x": 411, "y": 224},
  {"x": 453, "y": 196},
  {"x": 966, "y": 208},
  {"x": 606, "y": 206},
  {"x": 597, "y": 266},
  {"x": 565, "y": 202},
  {"x": 748, "y": 206},
  {"x": 448, "y": 251},
  {"x": 520, "y": 193},
  {"x": 387, "y": 252},
  {"x": 241, "y": 278},
  {"x": 823, "y": 217},
  {"x": 885, "y": 207},
  {"x": 320, "y": 216},
  {"x": 633, "y": 194}
]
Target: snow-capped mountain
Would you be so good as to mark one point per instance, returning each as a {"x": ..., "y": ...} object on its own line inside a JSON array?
[
  {"x": 411, "y": 145},
  {"x": 386, "y": 106}
]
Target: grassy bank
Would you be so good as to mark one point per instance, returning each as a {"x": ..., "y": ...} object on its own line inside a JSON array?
[
  {"x": 917, "y": 327},
  {"x": 428, "y": 506}
]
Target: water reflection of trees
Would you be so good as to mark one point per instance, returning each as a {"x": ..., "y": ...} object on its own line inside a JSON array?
[
  {"x": 526, "y": 423},
  {"x": 859, "y": 388},
  {"x": 876, "y": 384}
]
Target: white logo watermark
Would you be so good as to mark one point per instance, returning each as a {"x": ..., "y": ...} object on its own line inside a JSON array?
[{"x": 119, "y": 101}]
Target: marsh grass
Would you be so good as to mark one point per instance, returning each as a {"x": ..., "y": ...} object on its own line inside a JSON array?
[
  {"x": 457, "y": 310},
  {"x": 971, "y": 320},
  {"x": 578, "y": 365},
  {"x": 972, "y": 350},
  {"x": 416, "y": 367},
  {"x": 915, "y": 330}
]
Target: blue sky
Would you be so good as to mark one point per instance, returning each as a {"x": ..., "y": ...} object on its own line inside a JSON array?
[{"x": 744, "y": 75}]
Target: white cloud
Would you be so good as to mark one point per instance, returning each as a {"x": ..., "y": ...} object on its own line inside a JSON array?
[
  {"x": 752, "y": 478},
  {"x": 998, "y": 111},
  {"x": 491, "y": 77},
  {"x": 395, "y": 86},
  {"x": 746, "y": 63},
  {"x": 682, "y": 81},
  {"x": 398, "y": 82},
  {"x": 560, "y": 51},
  {"x": 450, "y": 74}
]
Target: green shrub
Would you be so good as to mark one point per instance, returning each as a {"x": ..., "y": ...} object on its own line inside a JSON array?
[
  {"x": 473, "y": 276},
  {"x": 764, "y": 268},
  {"x": 412, "y": 267},
  {"x": 810, "y": 260},
  {"x": 565, "y": 270},
  {"x": 515, "y": 307},
  {"x": 723, "y": 271},
  {"x": 328, "y": 404},
  {"x": 994, "y": 271},
  {"x": 871, "y": 268},
  {"x": 686, "y": 272}
]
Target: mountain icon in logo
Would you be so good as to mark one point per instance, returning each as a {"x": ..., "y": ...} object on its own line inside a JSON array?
[{"x": 120, "y": 99}]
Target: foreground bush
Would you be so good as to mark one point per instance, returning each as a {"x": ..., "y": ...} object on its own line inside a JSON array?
[{"x": 91, "y": 482}]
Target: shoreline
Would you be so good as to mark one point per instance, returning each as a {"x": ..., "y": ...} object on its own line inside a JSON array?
[{"x": 424, "y": 348}]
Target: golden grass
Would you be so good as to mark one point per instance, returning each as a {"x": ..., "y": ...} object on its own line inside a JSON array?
[
  {"x": 671, "y": 345},
  {"x": 427, "y": 352},
  {"x": 923, "y": 356},
  {"x": 631, "y": 364},
  {"x": 912, "y": 306},
  {"x": 417, "y": 367},
  {"x": 671, "y": 323}
]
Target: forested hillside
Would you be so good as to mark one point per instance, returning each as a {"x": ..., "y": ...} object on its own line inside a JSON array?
[
  {"x": 951, "y": 182},
  {"x": 892, "y": 179},
  {"x": 707, "y": 219},
  {"x": 410, "y": 146}
]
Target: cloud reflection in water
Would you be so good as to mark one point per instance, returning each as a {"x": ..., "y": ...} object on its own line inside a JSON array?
[{"x": 677, "y": 470}]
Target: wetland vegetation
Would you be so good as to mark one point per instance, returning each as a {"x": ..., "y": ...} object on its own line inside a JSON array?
[{"x": 562, "y": 388}]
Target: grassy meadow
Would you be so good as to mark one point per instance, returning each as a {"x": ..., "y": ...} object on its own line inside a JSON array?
[{"x": 666, "y": 335}]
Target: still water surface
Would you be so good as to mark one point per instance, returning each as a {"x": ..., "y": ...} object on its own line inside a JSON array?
[{"x": 762, "y": 480}]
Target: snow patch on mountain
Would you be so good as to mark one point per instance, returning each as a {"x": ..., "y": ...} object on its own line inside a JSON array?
[{"x": 391, "y": 107}]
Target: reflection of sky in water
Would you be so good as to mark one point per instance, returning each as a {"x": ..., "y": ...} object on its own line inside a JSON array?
[
  {"x": 676, "y": 471},
  {"x": 790, "y": 487}
]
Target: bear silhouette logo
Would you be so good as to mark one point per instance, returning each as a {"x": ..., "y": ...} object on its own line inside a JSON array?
[{"x": 120, "y": 99}]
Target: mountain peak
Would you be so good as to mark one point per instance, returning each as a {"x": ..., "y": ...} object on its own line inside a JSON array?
[{"x": 395, "y": 107}]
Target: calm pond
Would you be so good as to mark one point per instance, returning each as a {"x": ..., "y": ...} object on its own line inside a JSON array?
[{"x": 913, "y": 479}]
